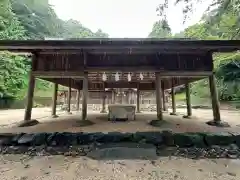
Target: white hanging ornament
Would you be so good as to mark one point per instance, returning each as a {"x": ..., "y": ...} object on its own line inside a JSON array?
[
  {"x": 116, "y": 76},
  {"x": 104, "y": 77},
  {"x": 141, "y": 76},
  {"x": 129, "y": 77}
]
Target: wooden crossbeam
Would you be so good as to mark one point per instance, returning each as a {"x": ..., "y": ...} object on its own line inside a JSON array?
[
  {"x": 79, "y": 75},
  {"x": 57, "y": 74},
  {"x": 123, "y": 69},
  {"x": 185, "y": 74}
]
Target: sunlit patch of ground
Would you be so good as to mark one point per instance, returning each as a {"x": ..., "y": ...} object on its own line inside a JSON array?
[{"x": 67, "y": 123}]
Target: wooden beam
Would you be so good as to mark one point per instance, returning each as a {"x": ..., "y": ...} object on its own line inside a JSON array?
[
  {"x": 122, "y": 51},
  {"x": 125, "y": 69},
  {"x": 164, "y": 74},
  {"x": 58, "y": 74},
  {"x": 194, "y": 74},
  {"x": 89, "y": 44}
]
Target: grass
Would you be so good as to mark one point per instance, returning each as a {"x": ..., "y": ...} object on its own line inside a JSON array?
[
  {"x": 180, "y": 96},
  {"x": 43, "y": 93}
]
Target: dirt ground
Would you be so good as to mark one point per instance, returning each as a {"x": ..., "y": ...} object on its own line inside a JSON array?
[
  {"x": 21, "y": 167},
  {"x": 68, "y": 123},
  {"x": 60, "y": 168}
]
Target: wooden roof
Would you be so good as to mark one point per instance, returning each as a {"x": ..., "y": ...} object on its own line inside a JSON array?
[
  {"x": 177, "y": 59},
  {"x": 121, "y": 45}
]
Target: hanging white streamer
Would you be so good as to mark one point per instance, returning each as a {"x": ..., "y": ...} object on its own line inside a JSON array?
[{"x": 104, "y": 77}]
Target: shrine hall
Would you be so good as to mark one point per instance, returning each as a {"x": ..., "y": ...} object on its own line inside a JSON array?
[{"x": 135, "y": 65}]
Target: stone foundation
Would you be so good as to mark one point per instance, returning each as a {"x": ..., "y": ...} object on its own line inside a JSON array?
[{"x": 66, "y": 143}]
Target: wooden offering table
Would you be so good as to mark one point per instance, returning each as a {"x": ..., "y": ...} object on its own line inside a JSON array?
[{"x": 121, "y": 112}]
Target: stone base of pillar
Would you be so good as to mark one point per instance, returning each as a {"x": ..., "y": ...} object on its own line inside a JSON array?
[
  {"x": 218, "y": 123},
  {"x": 157, "y": 123},
  {"x": 138, "y": 111},
  {"x": 55, "y": 116},
  {"x": 83, "y": 123},
  {"x": 26, "y": 123},
  {"x": 69, "y": 113},
  {"x": 103, "y": 111},
  {"x": 173, "y": 114},
  {"x": 187, "y": 117}
]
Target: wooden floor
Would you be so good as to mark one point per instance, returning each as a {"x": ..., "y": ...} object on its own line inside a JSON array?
[{"x": 67, "y": 123}]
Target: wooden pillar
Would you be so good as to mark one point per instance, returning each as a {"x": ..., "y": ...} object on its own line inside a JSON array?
[
  {"x": 173, "y": 99},
  {"x": 159, "y": 96},
  {"x": 54, "y": 100},
  {"x": 103, "y": 100},
  {"x": 215, "y": 105},
  {"x": 138, "y": 100},
  {"x": 69, "y": 97},
  {"x": 65, "y": 98},
  {"x": 188, "y": 101},
  {"x": 85, "y": 96},
  {"x": 122, "y": 96},
  {"x": 164, "y": 100},
  {"x": 78, "y": 99},
  {"x": 28, "y": 109},
  {"x": 113, "y": 97},
  {"x": 215, "y": 102},
  {"x": 129, "y": 96},
  {"x": 31, "y": 85}
]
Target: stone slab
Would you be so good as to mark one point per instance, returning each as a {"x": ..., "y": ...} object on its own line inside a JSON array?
[
  {"x": 189, "y": 140},
  {"x": 122, "y": 151},
  {"x": 219, "y": 138},
  {"x": 27, "y": 123}
]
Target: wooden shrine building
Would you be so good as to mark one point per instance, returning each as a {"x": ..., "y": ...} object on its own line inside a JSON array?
[{"x": 152, "y": 64}]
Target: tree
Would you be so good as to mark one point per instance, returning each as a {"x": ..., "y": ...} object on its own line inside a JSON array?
[
  {"x": 31, "y": 19},
  {"x": 10, "y": 27},
  {"x": 160, "y": 29},
  {"x": 220, "y": 21},
  {"x": 216, "y": 12},
  {"x": 100, "y": 34},
  {"x": 37, "y": 17},
  {"x": 11, "y": 66}
]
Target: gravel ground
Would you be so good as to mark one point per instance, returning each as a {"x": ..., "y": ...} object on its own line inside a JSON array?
[{"x": 59, "y": 167}]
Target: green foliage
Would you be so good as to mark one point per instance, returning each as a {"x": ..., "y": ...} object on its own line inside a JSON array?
[
  {"x": 220, "y": 21},
  {"x": 161, "y": 29},
  {"x": 37, "y": 17},
  {"x": 13, "y": 74},
  {"x": 12, "y": 67},
  {"x": 31, "y": 19},
  {"x": 10, "y": 27},
  {"x": 223, "y": 15},
  {"x": 73, "y": 29}
]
